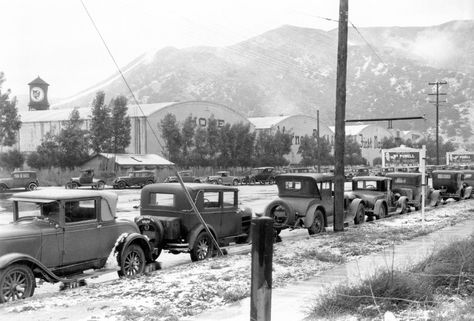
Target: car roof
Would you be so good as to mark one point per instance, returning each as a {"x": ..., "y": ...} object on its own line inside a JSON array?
[
  {"x": 176, "y": 187},
  {"x": 448, "y": 171},
  {"x": 402, "y": 174},
  {"x": 316, "y": 176},
  {"x": 63, "y": 194},
  {"x": 371, "y": 178}
]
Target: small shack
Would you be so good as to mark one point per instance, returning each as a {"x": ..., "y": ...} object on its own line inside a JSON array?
[{"x": 121, "y": 164}]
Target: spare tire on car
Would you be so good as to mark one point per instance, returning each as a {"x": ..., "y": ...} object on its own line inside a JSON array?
[{"x": 153, "y": 229}]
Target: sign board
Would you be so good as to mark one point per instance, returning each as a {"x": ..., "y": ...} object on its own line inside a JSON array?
[
  {"x": 460, "y": 158},
  {"x": 401, "y": 157}
]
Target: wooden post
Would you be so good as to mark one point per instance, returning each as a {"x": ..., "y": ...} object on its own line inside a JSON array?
[
  {"x": 262, "y": 255},
  {"x": 340, "y": 134}
]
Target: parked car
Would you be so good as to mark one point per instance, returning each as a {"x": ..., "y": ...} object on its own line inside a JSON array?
[
  {"x": 56, "y": 236},
  {"x": 20, "y": 179},
  {"x": 410, "y": 185},
  {"x": 305, "y": 200},
  {"x": 260, "y": 175},
  {"x": 135, "y": 178},
  {"x": 224, "y": 178},
  {"x": 86, "y": 179},
  {"x": 187, "y": 177},
  {"x": 375, "y": 193},
  {"x": 170, "y": 223},
  {"x": 451, "y": 184}
]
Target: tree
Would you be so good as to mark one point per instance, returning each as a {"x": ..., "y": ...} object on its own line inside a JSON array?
[
  {"x": 270, "y": 149},
  {"x": 213, "y": 137},
  {"x": 100, "y": 129},
  {"x": 120, "y": 126},
  {"x": 353, "y": 153},
  {"x": 46, "y": 155},
  {"x": 243, "y": 145},
  {"x": 12, "y": 159},
  {"x": 200, "y": 153},
  {"x": 73, "y": 142},
  {"x": 187, "y": 134},
  {"x": 172, "y": 137},
  {"x": 309, "y": 151},
  {"x": 9, "y": 119}
]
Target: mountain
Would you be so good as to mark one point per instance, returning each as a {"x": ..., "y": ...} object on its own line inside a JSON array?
[{"x": 292, "y": 70}]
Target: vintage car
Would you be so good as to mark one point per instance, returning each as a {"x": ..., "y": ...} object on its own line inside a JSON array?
[
  {"x": 450, "y": 184},
  {"x": 224, "y": 178},
  {"x": 169, "y": 221},
  {"x": 375, "y": 193},
  {"x": 86, "y": 179},
  {"x": 134, "y": 178},
  {"x": 187, "y": 177},
  {"x": 305, "y": 200},
  {"x": 56, "y": 236},
  {"x": 410, "y": 185},
  {"x": 20, "y": 179},
  {"x": 260, "y": 175}
]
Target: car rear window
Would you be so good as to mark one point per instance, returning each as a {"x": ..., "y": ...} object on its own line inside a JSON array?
[
  {"x": 162, "y": 199},
  {"x": 443, "y": 176}
]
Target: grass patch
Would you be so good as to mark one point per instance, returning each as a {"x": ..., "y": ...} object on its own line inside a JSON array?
[
  {"x": 157, "y": 313},
  {"x": 324, "y": 256},
  {"x": 447, "y": 272}
]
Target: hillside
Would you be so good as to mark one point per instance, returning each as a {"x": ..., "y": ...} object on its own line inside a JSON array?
[{"x": 292, "y": 70}]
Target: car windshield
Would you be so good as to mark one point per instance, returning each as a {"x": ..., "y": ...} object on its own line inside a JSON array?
[
  {"x": 38, "y": 210},
  {"x": 370, "y": 185}
]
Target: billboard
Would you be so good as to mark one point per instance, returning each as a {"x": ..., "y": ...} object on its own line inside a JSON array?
[
  {"x": 401, "y": 157},
  {"x": 460, "y": 158}
]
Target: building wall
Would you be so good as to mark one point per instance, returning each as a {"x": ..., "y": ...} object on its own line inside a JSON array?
[{"x": 370, "y": 141}]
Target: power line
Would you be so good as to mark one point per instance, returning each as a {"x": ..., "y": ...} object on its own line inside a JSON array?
[{"x": 121, "y": 74}]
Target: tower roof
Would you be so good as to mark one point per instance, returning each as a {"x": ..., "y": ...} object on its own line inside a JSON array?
[{"x": 38, "y": 81}]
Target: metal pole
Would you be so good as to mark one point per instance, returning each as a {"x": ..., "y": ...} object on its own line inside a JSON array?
[
  {"x": 193, "y": 205},
  {"x": 261, "y": 283},
  {"x": 340, "y": 134}
]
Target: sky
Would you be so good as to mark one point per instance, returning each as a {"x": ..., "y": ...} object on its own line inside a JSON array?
[{"x": 56, "y": 40}]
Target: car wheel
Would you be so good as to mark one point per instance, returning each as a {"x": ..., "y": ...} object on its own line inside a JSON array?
[
  {"x": 252, "y": 181},
  {"x": 235, "y": 182},
  {"x": 318, "y": 223},
  {"x": 74, "y": 185},
  {"x": 219, "y": 181},
  {"x": 360, "y": 214},
  {"x": 271, "y": 181},
  {"x": 132, "y": 262},
  {"x": 121, "y": 185},
  {"x": 16, "y": 282},
  {"x": 100, "y": 185},
  {"x": 382, "y": 212},
  {"x": 3, "y": 188},
  {"x": 32, "y": 187},
  {"x": 202, "y": 247}
]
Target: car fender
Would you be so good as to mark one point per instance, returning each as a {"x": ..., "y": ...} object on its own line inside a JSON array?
[
  {"x": 467, "y": 192},
  {"x": 310, "y": 213},
  {"x": 353, "y": 206},
  {"x": 33, "y": 263},
  {"x": 4, "y": 185},
  {"x": 133, "y": 238},
  {"x": 378, "y": 205},
  {"x": 193, "y": 234}
]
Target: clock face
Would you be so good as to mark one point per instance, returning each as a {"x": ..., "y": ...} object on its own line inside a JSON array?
[{"x": 37, "y": 94}]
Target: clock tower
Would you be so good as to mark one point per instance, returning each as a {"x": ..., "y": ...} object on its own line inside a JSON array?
[{"x": 38, "y": 95}]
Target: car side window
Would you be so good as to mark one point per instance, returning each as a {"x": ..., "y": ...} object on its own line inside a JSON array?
[
  {"x": 211, "y": 200},
  {"x": 79, "y": 211},
  {"x": 229, "y": 199}
]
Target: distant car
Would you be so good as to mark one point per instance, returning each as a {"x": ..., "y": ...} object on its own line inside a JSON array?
[
  {"x": 305, "y": 200},
  {"x": 55, "y": 236},
  {"x": 135, "y": 178},
  {"x": 20, "y": 179},
  {"x": 187, "y": 177},
  {"x": 260, "y": 175},
  {"x": 86, "y": 179},
  {"x": 451, "y": 184},
  {"x": 168, "y": 219},
  {"x": 377, "y": 196},
  {"x": 224, "y": 178},
  {"x": 410, "y": 185}
]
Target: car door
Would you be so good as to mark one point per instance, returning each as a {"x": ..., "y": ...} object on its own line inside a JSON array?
[
  {"x": 81, "y": 231},
  {"x": 230, "y": 221},
  {"x": 18, "y": 180},
  {"x": 327, "y": 199},
  {"x": 212, "y": 210}
]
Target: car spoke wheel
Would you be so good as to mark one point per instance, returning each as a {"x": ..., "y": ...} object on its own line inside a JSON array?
[
  {"x": 317, "y": 226},
  {"x": 121, "y": 185},
  {"x": 16, "y": 282},
  {"x": 202, "y": 248},
  {"x": 132, "y": 262},
  {"x": 100, "y": 185},
  {"x": 360, "y": 214},
  {"x": 74, "y": 185},
  {"x": 3, "y": 188},
  {"x": 235, "y": 182},
  {"x": 32, "y": 186}
]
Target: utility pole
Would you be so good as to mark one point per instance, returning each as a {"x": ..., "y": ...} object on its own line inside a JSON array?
[
  {"x": 437, "y": 84},
  {"x": 340, "y": 134}
]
